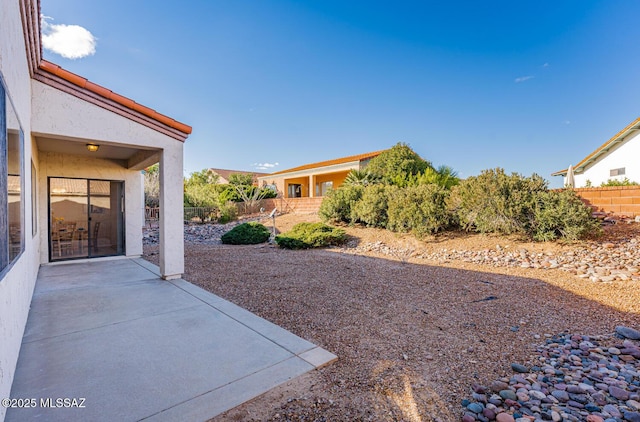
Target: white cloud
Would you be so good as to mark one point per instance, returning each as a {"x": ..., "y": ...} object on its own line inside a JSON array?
[
  {"x": 545, "y": 65},
  {"x": 69, "y": 41},
  {"x": 523, "y": 78},
  {"x": 567, "y": 122},
  {"x": 265, "y": 166}
]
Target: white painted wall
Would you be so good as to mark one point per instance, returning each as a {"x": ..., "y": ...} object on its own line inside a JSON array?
[
  {"x": 16, "y": 286},
  {"x": 627, "y": 155},
  {"x": 73, "y": 166}
]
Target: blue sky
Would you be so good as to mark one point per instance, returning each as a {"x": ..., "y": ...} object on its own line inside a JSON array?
[{"x": 529, "y": 86}]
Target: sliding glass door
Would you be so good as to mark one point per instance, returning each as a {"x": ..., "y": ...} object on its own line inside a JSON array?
[{"x": 86, "y": 218}]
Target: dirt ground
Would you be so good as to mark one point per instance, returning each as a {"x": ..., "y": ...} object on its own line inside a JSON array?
[{"x": 411, "y": 337}]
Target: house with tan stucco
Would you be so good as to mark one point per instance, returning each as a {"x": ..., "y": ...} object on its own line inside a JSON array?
[
  {"x": 71, "y": 155},
  {"x": 315, "y": 179}
]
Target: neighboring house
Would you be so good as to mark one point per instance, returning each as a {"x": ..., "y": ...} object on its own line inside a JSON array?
[
  {"x": 616, "y": 159},
  {"x": 224, "y": 175},
  {"x": 316, "y": 179},
  {"x": 71, "y": 152}
]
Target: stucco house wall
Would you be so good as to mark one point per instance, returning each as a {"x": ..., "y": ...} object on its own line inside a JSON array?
[
  {"x": 17, "y": 281},
  {"x": 60, "y": 165},
  {"x": 69, "y": 113},
  {"x": 310, "y": 176},
  {"x": 626, "y": 155}
]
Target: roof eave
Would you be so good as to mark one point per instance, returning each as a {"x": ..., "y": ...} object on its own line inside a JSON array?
[
  {"x": 603, "y": 149},
  {"x": 53, "y": 75},
  {"x": 49, "y": 72}
]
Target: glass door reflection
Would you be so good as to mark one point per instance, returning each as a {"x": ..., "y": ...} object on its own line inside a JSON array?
[{"x": 86, "y": 218}]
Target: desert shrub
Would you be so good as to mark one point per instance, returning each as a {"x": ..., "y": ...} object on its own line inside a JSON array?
[
  {"x": 397, "y": 163},
  {"x": 616, "y": 182},
  {"x": 561, "y": 214},
  {"x": 228, "y": 211},
  {"x": 443, "y": 176},
  {"x": 337, "y": 205},
  {"x": 311, "y": 235},
  {"x": 418, "y": 209},
  {"x": 246, "y": 234},
  {"x": 200, "y": 189},
  {"x": 372, "y": 207},
  {"x": 496, "y": 202}
]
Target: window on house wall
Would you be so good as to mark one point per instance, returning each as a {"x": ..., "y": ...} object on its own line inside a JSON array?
[
  {"x": 617, "y": 172},
  {"x": 323, "y": 188},
  {"x": 34, "y": 200},
  {"x": 295, "y": 190},
  {"x": 11, "y": 182}
]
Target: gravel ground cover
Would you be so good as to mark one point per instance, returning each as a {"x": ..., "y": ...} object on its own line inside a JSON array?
[{"x": 416, "y": 326}]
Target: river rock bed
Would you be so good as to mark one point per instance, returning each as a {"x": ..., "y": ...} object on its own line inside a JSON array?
[
  {"x": 596, "y": 261},
  {"x": 206, "y": 234},
  {"x": 575, "y": 378},
  {"x": 615, "y": 260}
]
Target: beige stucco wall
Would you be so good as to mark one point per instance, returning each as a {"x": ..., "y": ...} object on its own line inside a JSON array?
[
  {"x": 60, "y": 115},
  {"x": 16, "y": 285}
]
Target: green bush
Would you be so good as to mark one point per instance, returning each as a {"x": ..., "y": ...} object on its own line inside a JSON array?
[
  {"x": 337, "y": 205},
  {"x": 496, "y": 202},
  {"x": 228, "y": 212},
  {"x": 397, "y": 163},
  {"x": 372, "y": 207},
  {"x": 420, "y": 209},
  {"x": 361, "y": 178},
  {"x": 311, "y": 235},
  {"x": 616, "y": 182},
  {"x": 246, "y": 234},
  {"x": 561, "y": 214}
]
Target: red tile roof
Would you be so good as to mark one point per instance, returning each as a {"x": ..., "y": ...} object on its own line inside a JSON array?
[
  {"x": 59, "y": 78},
  {"x": 85, "y": 84},
  {"x": 343, "y": 160}
]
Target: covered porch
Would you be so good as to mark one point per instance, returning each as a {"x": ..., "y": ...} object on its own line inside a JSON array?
[
  {"x": 313, "y": 185},
  {"x": 86, "y": 171},
  {"x": 128, "y": 346}
]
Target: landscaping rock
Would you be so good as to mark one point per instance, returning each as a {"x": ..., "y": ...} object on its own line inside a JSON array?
[
  {"x": 578, "y": 378},
  {"x": 627, "y": 332},
  {"x": 519, "y": 368}
]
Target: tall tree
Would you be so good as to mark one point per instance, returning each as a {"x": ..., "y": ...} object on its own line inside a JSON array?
[
  {"x": 152, "y": 186},
  {"x": 200, "y": 189},
  {"x": 398, "y": 163}
]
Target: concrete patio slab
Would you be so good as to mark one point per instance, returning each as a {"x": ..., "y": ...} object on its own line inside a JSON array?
[{"x": 130, "y": 346}]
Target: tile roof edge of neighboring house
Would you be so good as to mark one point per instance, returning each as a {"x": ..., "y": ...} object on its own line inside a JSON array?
[
  {"x": 358, "y": 157},
  {"x": 237, "y": 171},
  {"x": 602, "y": 147},
  {"x": 123, "y": 104}
]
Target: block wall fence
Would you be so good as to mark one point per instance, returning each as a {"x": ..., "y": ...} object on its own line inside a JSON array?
[
  {"x": 293, "y": 205},
  {"x": 619, "y": 200}
]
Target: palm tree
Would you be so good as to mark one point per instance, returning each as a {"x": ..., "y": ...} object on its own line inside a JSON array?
[
  {"x": 443, "y": 176},
  {"x": 361, "y": 178}
]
